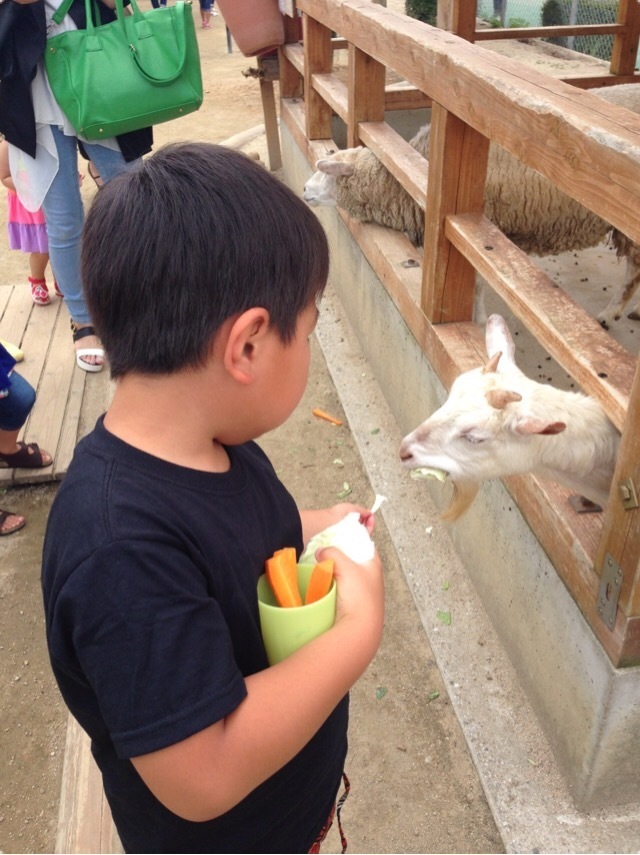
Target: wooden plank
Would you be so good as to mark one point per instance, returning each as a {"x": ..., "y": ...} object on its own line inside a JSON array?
[
  {"x": 625, "y": 41},
  {"x": 502, "y": 33},
  {"x": 84, "y": 820},
  {"x": 14, "y": 313},
  {"x": 365, "y": 93},
  {"x": 272, "y": 131},
  {"x": 334, "y": 92},
  {"x": 318, "y": 59},
  {"x": 621, "y": 534},
  {"x": 600, "y": 80},
  {"x": 589, "y": 148},
  {"x": 295, "y": 55},
  {"x": 404, "y": 97},
  {"x": 291, "y": 60},
  {"x": 601, "y": 366},
  {"x": 50, "y": 412},
  {"x": 566, "y": 539},
  {"x": 463, "y": 19},
  {"x": 457, "y": 170},
  {"x": 409, "y": 167}
]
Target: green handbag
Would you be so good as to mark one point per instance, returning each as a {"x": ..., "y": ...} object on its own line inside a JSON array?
[{"x": 135, "y": 72}]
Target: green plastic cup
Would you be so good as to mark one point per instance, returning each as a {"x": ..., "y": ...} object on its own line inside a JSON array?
[{"x": 285, "y": 630}]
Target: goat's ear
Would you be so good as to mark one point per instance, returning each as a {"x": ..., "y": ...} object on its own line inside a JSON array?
[
  {"x": 492, "y": 364},
  {"x": 499, "y": 398},
  {"x": 530, "y": 425},
  {"x": 335, "y": 167},
  {"x": 498, "y": 338}
]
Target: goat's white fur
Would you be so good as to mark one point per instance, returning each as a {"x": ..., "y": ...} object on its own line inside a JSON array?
[
  {"x": 528, "y": 208},
  {"x": 497, "y": 422}
]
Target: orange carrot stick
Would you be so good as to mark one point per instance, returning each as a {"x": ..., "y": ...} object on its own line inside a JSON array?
[
  {"x": 322, "y": 415},
  {"x": 320, "y": 581}
]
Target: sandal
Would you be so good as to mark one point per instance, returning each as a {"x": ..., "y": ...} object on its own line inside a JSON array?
[
  {"x": 28, "y": 457},
  {"x": 84, "y": 332},
  {"x": 4, "y": 516},
  {"x": 95, "y": 175},
  {"x": 56, "y": 288},
  {"x": 39, "y": 292}
]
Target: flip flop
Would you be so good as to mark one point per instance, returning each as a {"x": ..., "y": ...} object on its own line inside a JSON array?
[
  {"x": 4, "y": 516},
  {"x": 28, "y": 457}
]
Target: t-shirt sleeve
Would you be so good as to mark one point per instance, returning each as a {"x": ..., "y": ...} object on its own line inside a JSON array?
[{"x": 150, "y": 640}]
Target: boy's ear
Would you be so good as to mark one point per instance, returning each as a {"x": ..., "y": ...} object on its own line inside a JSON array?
[{"x": 242, "y": 346}]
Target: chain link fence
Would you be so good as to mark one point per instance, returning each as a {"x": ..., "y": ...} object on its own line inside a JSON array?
[{"x": 536, "y": 13}]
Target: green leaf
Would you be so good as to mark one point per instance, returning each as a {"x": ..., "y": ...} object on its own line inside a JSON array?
[
  {"x": 346, "y": 489},
  {"x": 444, "y": 617},
  {"x": 375, "y": 431},
  {"x": 432, "y": 696},
  {"x": 381, "y": 691},
  {"x": 445, "y": 586}
]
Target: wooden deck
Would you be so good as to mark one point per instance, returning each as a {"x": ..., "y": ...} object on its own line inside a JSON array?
[
  {"x": 69, "y": 400},
  {"x": 68, "y": 403}
]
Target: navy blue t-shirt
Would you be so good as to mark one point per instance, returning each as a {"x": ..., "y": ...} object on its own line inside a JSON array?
[{"x": 149, "y": 581}]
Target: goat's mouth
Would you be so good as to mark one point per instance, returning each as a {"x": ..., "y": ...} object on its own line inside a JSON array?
[{"x": 418, "y": 472}]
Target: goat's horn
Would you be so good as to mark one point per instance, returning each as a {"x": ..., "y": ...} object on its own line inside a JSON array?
[
  {"x": 499, "y": 398},
  {"x": 492, "y": 364}
]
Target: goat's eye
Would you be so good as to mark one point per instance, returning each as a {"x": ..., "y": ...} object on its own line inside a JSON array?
[{"x": 473, "y": 438}]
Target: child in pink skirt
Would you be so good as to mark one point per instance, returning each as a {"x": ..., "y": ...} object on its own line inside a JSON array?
[{"x": 28, "y": 233}]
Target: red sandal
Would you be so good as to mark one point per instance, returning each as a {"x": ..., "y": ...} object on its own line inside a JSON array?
[
  {"x": 56, "y": 288},
  {"x": 39, "y": 291}
]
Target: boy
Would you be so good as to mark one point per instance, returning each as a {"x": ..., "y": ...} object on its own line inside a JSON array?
[{"x": 202, "y": 273}]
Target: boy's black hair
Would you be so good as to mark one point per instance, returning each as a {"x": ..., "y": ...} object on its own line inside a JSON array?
[{"x": 197, "y": 234}]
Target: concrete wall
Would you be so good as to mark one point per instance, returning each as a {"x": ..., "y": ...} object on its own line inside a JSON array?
[{"x": 589, "y": 710}]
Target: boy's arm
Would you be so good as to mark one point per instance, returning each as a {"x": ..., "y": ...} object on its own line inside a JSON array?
[
  {"x": 317, "y": 520},
  {"x": 210, "y": 772}
]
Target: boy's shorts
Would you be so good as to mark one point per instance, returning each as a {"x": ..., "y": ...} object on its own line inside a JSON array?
[{"x": 335, "y": 811}]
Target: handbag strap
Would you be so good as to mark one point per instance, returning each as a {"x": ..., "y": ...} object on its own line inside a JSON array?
[{"x": 61, "y": 11}]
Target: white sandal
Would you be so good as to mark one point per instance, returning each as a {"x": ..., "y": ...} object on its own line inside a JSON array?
[{"x": 83, "y": 332}]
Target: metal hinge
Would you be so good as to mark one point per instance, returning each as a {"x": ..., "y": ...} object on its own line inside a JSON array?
[{"x": 609, "y": 591}]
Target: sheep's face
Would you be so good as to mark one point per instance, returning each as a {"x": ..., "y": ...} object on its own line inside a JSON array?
[{"x": 321, "y": 188}]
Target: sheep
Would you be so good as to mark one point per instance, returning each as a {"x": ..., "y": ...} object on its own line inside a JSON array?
[
  {"x": 527, "y": 207},
  {"x": 497, "y": 422}
]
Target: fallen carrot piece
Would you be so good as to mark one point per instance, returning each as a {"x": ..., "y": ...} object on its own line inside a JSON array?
[
  {"x": 322, "y": 415},
  {"x": 282, "y": 575},
  {"x": 320, "y": 581}
]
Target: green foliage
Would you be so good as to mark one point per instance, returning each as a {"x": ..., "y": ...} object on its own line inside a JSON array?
[
  {"x": 552, "y": 14},
  {"x": 556, "y": 12},
  {"x": 423, "y": 10}
]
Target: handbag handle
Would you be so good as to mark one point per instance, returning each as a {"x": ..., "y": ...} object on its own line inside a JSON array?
[{"x": 139, "y": 23}]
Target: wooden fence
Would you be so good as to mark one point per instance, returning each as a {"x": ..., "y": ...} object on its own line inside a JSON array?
[{"x": 587, "y": 147}]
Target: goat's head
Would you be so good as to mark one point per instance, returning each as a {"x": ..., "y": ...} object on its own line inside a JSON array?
[
  {"x": 486, "y": 427},
  {"x": 320, "y": 189}
]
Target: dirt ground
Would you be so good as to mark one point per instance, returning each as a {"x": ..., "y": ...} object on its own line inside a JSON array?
[{"x": 414, "y": 785}]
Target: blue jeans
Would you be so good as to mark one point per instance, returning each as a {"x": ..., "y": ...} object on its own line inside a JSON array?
[
  {"x": 16, "y": 406},
  {"x": 64, "y": 214}
]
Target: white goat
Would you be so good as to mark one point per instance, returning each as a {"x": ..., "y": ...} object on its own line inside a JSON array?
[
  {"x": 497, "y": 422},
  {"x": 527, "y": 207}
]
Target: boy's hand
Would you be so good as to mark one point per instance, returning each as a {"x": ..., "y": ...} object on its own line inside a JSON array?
[
  {"x": 360, "y": 595},
  {"x": 316, "y": 521}
]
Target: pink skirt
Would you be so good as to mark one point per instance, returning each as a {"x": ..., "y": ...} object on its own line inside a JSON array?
[{"x": 27, "y": 231}]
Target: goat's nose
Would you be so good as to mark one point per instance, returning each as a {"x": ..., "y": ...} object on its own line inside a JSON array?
[{"x": 405, "y": 453}]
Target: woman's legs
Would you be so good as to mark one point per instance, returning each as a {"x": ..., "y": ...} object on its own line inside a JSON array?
[{"x": 64, "y": 214}]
